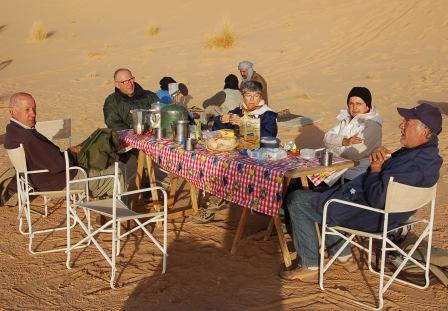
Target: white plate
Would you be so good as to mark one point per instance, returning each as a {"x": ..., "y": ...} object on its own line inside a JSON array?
[{"x": 307, "y": 154}]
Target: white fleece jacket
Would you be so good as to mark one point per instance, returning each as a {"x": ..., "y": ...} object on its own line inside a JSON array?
[{"x": 367, "y": 126}]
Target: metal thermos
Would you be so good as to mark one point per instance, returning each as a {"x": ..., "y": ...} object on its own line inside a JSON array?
[
  {"x": 181, "y": 132},
  {"x": 139, "y": 120},
  {"x": 326, "y": 158},
  {"x": 159, "y": 133}
]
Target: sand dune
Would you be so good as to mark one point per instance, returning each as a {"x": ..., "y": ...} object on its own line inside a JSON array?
[{"x": 310, "y": 52}]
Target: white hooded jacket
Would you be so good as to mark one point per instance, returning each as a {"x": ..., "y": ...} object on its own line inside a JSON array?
[{"x": 367, "y": 126}]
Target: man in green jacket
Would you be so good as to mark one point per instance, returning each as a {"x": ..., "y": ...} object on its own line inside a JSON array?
[{"x": 128, "y": 95}]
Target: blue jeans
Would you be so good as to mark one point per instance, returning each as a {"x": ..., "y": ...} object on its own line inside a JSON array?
[{"x": 303, "y": 218}]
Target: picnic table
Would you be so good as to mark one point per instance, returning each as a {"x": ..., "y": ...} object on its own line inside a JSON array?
[{"x": 239, "y": 179}]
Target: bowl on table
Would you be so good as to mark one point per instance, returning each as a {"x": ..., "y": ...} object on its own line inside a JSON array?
[{"x": 307, "y": 154}]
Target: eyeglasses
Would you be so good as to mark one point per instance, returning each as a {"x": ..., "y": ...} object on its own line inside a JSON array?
[
  {"x": 128, "y": 81},
  {"x": 253, "y": 96}
]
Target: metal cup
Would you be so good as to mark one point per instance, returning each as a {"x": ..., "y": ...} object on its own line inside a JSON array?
[
  {"x": 326, "y": 158},
  {"x": 159, "y": 133},
  {"x": 189, "y": 144}
]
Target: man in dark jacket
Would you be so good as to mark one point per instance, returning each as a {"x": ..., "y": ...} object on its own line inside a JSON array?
[
  {"x": 42, "y": 154},
  {"x": 128, "y": 95},
  {"x": 417, "y": 164}
]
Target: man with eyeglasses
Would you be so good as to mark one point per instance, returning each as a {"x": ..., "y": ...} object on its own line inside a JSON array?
[
  {"x": 128, "y": 95},
  {"x": 416, "y": 164}
]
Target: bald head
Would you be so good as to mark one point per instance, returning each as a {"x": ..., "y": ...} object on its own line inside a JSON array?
[
  {"x": 22, "y": 108},
  {"x": 124, "y": 81}
]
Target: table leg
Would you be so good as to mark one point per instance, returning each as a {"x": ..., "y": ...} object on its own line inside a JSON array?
[
  {"x": 138, "y": 178},
  {"x": 282, "y": 241},
  {"x": 304, "y": 181},
  {"x": 194, "y": 197},
  {"x": 240, "y": 230},
  {"x": 286, "y": 183},
  {"x": 173, "y": 189},
  {"x": 152, "y": 182}
]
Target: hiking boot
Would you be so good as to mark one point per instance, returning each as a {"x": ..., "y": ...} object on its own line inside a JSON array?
[{"x": 302, "y": 274}]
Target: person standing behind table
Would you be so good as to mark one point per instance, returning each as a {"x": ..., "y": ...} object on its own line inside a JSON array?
[
  {"x": 416, "y": 164},
  {"x": 248, "y": 73},
  {"x": 253, "y": 105},
  {"x": 128, "y": 95},
  {"x": 164, "y": 94},
  {"x": 358, "y": 132},
  {"x": 223, "y": 101}
]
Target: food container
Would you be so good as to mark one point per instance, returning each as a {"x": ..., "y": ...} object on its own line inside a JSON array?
[
  {"x": 307, "y": 154},
  {"x": 326, "y": 158},
  {"x": 269, "y": 142},
  {"x": 221, "y": 144}
]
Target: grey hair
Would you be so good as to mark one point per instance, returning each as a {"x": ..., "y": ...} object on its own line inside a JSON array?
[
  {"x": 251, "y": 86},
  {"x": 421, "y": 126},
  {"x": 14, "y": 99},
  {"x": 120, "y": 70}
]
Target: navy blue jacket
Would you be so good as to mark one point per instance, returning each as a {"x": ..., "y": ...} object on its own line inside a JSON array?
[
  {"x": 417, "y": 167},
  {"x": 268, "y": 123}
]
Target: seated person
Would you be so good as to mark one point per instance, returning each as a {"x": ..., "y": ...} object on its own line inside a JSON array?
[
  {"x": 358, "y": 132},
  {"x": 416, "y": 164},
  {"x": 43, "y": 154},
  {"x": 128, "y": 95},
  {"x": 253, "y": 105},
  {"x": 164, "y": 94},
  {"x": 223, "y": 101}
]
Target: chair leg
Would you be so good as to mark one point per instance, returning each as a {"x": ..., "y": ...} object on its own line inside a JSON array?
[
  {"x": 118, "y": 238},
  {"x": 46, "y": 206},
  {"x": 114, "y": 246}
]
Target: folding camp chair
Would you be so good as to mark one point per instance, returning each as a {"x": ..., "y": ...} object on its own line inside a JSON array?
[
  {"x": 117, "y": 212},
  {"x": 26, "y": 191},
  {"x": 400, "y": 198}
]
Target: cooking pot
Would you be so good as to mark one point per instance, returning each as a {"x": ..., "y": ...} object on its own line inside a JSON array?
[{"x": 170, "y": 114}]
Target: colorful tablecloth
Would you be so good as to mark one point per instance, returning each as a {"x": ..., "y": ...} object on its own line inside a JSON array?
[{"x": 229, "y": 175}]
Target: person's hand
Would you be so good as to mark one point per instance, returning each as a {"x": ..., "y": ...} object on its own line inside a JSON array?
[
  {"x": 352, "y": 140},
  {"x": 75, "y": 149},
  {"x": 234, "y": 119},
  {"x": 225, "y": 118},
  {"x": 377, "y": 159}
]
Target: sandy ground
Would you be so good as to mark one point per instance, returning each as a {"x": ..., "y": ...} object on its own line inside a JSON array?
[{"x": 310, "y": 52}]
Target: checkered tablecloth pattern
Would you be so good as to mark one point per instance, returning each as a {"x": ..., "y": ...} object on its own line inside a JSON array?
[{"x": 229, "y": 175}]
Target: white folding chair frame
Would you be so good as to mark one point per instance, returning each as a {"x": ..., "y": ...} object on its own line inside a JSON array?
[
  {"x": 25, "y": 191},
  {"x": 109, "y": 208},
  {"x": 386, "y": 244}
]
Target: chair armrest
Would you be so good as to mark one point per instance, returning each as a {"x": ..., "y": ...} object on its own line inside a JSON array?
[
  {"x": 92, "y": 178},
  {"x": 355, "y": 205},
  {"x": 37, "y": 172},
  {"x": 142, "y": 190},
  {"x": 78, "y": 168}
]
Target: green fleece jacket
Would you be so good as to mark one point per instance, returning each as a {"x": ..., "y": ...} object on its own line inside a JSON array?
[{"x": 118, "y": 105}]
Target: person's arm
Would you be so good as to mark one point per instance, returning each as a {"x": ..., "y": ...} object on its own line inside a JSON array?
[
  {"x": 216, "y": 100},
  {"x": 268, "y": 124},
  {"x": 44, "y": 155},
  {"x": 377, "y": 179},
  {"x": 332, "y": 137},
  {"x": 112, "y": 118},
  {"x": 369, "y": 140}
]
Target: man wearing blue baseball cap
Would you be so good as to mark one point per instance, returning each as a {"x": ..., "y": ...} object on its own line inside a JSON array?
[{"x": 417, "y": 164}]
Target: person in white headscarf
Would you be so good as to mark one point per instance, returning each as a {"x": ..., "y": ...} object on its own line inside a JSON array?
[{"x": 249, "y": 74}]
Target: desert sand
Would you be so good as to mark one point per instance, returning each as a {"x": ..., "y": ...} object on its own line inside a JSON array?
[{"x": 310, "y": 52}]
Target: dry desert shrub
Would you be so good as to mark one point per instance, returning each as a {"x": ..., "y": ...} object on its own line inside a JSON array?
[
  {"x": 223, "y": 39},
  {"x": 38, "y": 33},
  {"x": 303, "y": 95},
  {"x": 153, "y": 30},
  {"x": 91, "y": 75},
  {"x": 95, "y": 55}
]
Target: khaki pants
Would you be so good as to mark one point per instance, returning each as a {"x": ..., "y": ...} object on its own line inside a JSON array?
[{"x": 99, "y": 188}]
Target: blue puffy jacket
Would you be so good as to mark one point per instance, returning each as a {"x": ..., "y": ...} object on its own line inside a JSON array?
[{"x": 417, "y": 167}]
